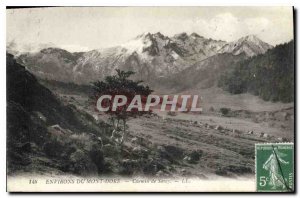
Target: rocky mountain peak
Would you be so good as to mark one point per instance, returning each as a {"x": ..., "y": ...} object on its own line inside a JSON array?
[
  {"x": 148, "y": 35},
  {"x": 251, "y": 38},
  {"x": 195, "y": 35},
  {"x": 52, "y": 50},
  {"x": 251, "y": 45},
  {"x": 182, "y": 36}
]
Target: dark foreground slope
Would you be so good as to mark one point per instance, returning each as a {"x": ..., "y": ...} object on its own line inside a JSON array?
[
  {"x": 270, "y": 75},
  {"x": 44, "y": 135}
]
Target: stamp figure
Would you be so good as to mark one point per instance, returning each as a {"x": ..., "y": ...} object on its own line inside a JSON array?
[{"x": 274, "y": 167}]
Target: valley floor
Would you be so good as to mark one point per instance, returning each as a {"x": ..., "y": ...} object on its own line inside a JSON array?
[{"x": 226, "y": 143}]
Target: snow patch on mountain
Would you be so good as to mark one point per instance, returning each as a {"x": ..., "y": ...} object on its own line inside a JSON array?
[{"x": 136, "y": 45}]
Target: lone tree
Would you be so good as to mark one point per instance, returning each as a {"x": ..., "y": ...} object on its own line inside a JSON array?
[{"x": 120, "y": 84}]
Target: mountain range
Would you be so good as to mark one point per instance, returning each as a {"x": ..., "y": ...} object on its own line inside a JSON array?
[{"x": 155, "y": 58}]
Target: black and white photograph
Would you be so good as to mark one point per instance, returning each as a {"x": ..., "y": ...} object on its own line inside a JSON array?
[{"x": 150, "y": 99}]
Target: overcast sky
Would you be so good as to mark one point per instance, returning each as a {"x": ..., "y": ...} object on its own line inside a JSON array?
[{"x": 86, "y": 28}]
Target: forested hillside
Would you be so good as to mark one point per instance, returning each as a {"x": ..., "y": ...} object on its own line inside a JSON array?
[{"x": 269, "y": 75}]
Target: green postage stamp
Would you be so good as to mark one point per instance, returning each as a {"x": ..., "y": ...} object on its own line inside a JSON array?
[{"x": 274, "y": 165}]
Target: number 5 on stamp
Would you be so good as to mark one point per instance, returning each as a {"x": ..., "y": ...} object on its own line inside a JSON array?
[{"x": 274, "y": 165}]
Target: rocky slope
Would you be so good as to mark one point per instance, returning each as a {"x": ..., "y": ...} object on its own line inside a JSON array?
[
  {"x": 203, "y": 74},
  {"x": 45, "y": 135}
]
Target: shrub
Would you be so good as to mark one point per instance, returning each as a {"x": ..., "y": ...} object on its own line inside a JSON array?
[{"x": 225, "y": 111}]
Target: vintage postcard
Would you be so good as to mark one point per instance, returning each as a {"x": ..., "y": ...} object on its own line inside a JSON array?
[{"x": 150, "y": 99}]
